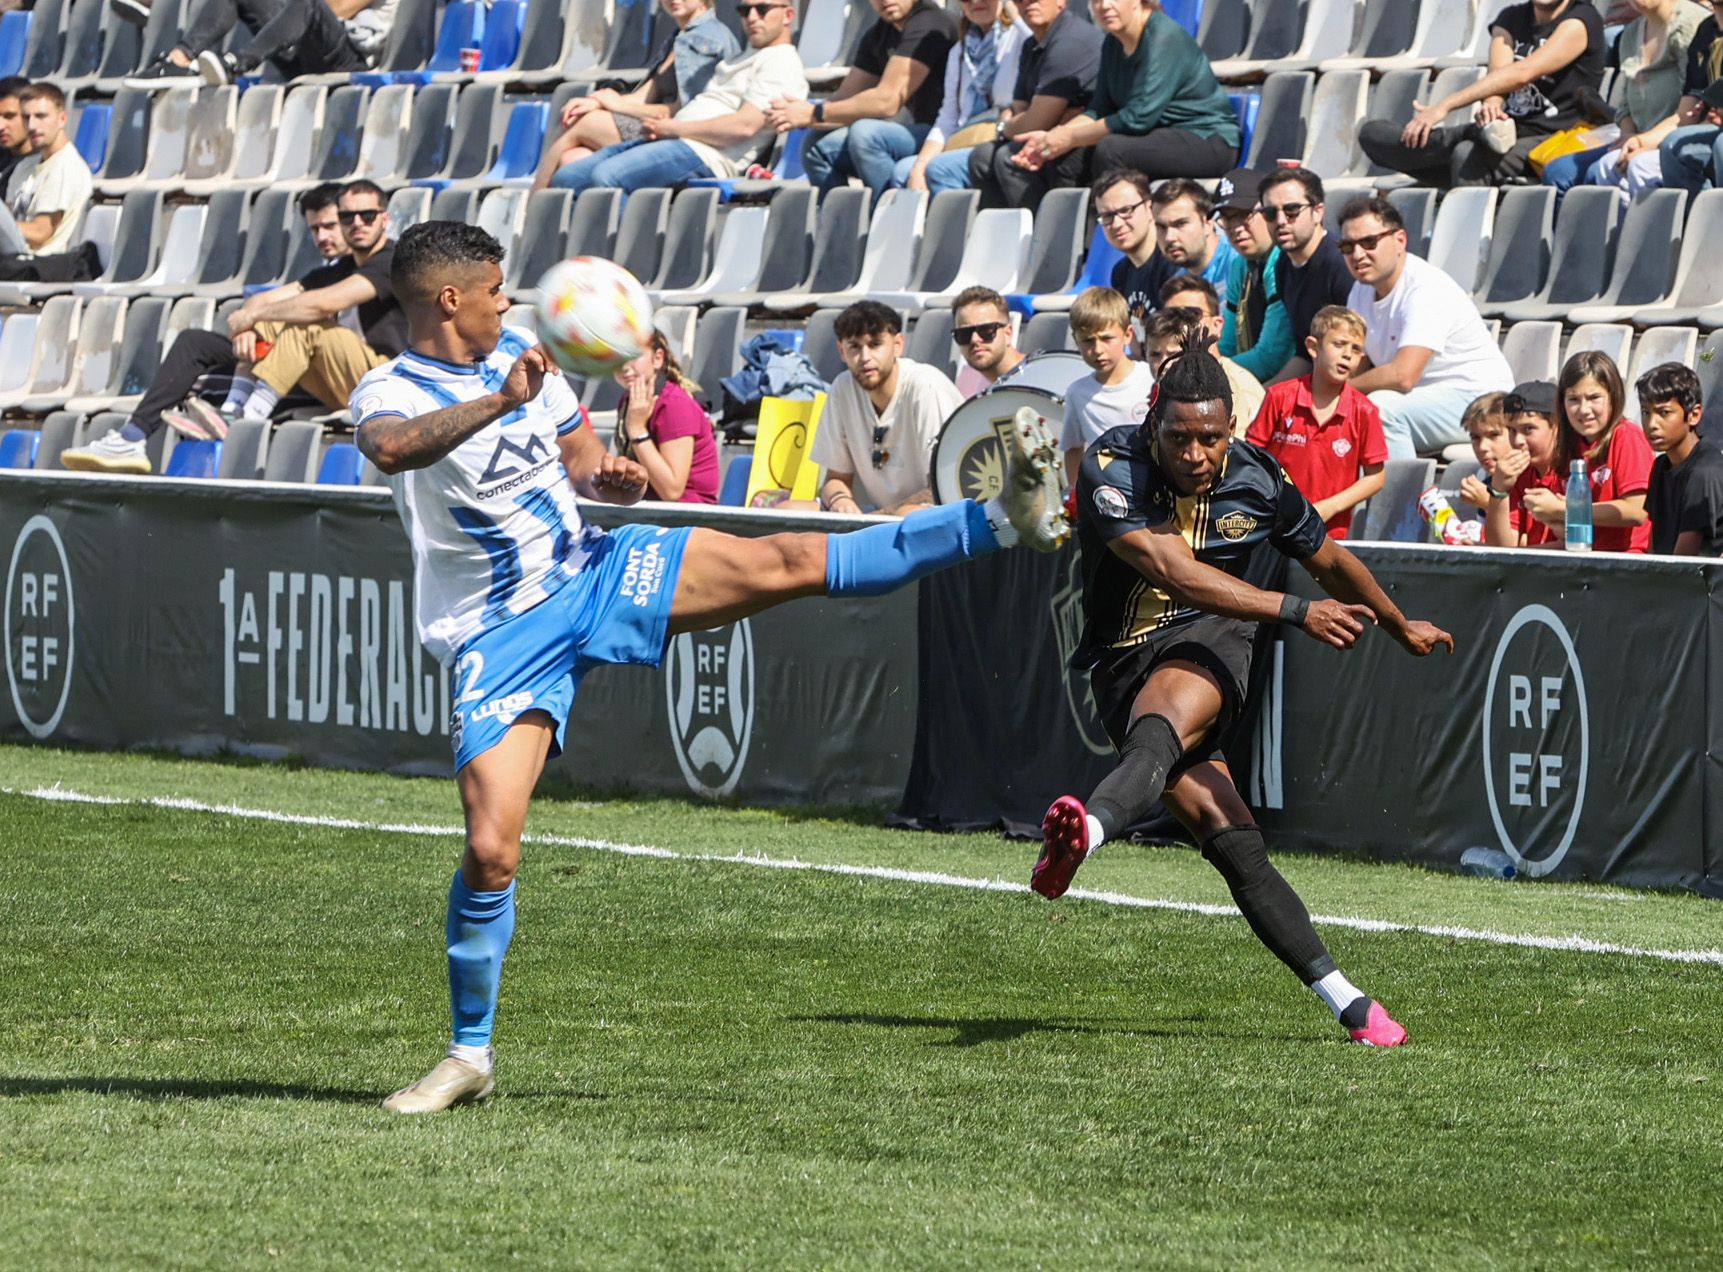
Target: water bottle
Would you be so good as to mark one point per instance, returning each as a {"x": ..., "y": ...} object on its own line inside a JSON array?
[
  {"x": 1487, "y": 863},
  {"x": 1578, "y": 508}
]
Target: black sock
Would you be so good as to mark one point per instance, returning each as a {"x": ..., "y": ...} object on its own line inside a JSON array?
[
  {"x": 1126, "y": 794},
  {"x": 1273, "y": 910},
  {"x": 1357, "y": 1015}
]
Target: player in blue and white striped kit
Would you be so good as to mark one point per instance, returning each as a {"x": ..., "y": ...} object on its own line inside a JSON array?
[{"x": 486, "y": 447}]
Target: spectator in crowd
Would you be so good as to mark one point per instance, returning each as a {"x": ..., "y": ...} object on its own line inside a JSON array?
[
  {"x": 1590, "y": 404},
  {"x": 885, "y": 106},
  {"x": 681, "y": 69},
  {"x": 1325, "y": 433},
  {"x": 980, "y": 76},
  {"x": 342, "y": 288},
  {"x": 718, "y": 133},
  {"x": 1537, "y": 461},
  {"x": 1257, "y": 331},
  {"x": 1652, "y": 56},
  {"x": 661, "y": 427},
  {"x": 1197, "y": 294},
  {"x": 1688, "y": 156},
  {"x": 1543, "y": 55},
  {"x": 1157, "y": 106},
  {"x": 981, "y": 330},
  {"x": 1313, "y": 275},
  {"x": 297, "y": 37},
  {"x": 47, "y": 195},
  {"x": 1486, "y": 425},
  {"x": 14, "y": 140},
  {"x": 1184, "y": 238},
  {"x": 1428, "y": 351},
  {"x": 1685, "y": 496},
  {"x": 1118, "y": 390},
  {"x": 876, "y": 438},
  {"x": 1055, "y": 79}
]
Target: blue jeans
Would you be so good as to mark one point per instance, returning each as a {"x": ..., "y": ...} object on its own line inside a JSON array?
[
  {"x": 1423, "y": 421},
  {"x": 632, "y": 165},
  {"x": 949, "y": 171},
  {"x": 1571, "y": 170},
  {"x": 1691, "y": 157},
  {"x": 868, "y": 149}
]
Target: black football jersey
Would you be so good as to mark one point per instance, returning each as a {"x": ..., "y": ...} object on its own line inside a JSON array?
[{"x": 1250, "y": 513}]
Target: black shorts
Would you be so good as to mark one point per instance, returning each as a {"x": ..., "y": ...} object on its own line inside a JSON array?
[{"x": 1223, "y": 646}]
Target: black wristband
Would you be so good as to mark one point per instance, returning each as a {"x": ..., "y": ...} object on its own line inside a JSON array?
[
  {"x": 1293, "y": 609},
  {"x": 819, "y": 112}
]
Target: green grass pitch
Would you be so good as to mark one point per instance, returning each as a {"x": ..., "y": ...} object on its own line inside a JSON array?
[{"x": 704, "y": 1063}]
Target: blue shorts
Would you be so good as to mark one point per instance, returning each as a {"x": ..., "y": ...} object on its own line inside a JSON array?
[{"x": 615, "y": 610}]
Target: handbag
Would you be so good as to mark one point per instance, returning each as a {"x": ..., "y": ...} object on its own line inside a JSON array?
[{"x": 1569, "y": 141}]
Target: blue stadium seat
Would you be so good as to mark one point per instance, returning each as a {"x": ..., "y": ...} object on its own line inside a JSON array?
[
  {"x": 18, "y": 445},
  {"x": 502, "y": 35},
  {"x": 1244, "y": 108},
  {"x": 342, "y": 465},
  {"x": 92, "y": 140},
  {"x": 463, "y": 28},
  {"x": 735, "y": 488},
  {"x": 517, "y": 157},
  {"x": 1187, "y": 13},
  {"x": 191, "y": 458},
  {"x": 1097, "y": 272},
  {"x": 14, "y": 39}
]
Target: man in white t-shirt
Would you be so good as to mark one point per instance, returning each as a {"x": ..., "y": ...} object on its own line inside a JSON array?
[
  {"x": 1118, "y": 392},
  {"x": 875, "y": 439},
  {"x": 49, "y": 190},
  {"x": 721, "y": 131},
  {"x": 1428, "y": 352}
]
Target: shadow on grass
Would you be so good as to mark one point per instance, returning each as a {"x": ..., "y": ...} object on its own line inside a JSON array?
[
  {"x": 976, "y": 1031},
  {"x": 183, "y": 1089}
]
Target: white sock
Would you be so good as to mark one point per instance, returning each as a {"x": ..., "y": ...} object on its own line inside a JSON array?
[
  {"x": 237, "y": 395},
  {"x": 1097, "y": 836},
  {"x": 261, "y": 404},
  {"x": 1338, "y": 992},
  {"x": 480, "y": 1058},
  {"x": 1003, "y": 530}
]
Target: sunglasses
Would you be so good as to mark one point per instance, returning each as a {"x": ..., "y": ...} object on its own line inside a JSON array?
[
  {"x": 365, "y": 217},
  {"x": 1110, "y": 215},
  {"x": 757, "y": 10},
  {"x": 881, "y": 452},
  {"x": 1363, "y": 243},
  {"x": 1288, "y": 211},
  {"x": 986, "y": 330}
]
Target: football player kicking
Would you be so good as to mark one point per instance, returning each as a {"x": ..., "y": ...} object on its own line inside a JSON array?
[
  {"x": 1173, "y": 518},
  {"x": 485, "y": 447}
]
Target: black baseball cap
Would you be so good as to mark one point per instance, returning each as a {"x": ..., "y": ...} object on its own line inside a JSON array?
[
  {"x": 1534, "y": 395},
  {"x": 1238, "y": 191}
]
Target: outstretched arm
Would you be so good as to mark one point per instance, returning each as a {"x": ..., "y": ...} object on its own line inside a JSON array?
[
  {"x": 598, "y": 474},
  {"x": 396, "y": 443},
  {"x": 1345, "y": 578}
]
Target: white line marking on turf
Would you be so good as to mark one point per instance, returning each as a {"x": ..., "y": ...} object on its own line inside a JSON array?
[{"x": 1567, "y": 944}]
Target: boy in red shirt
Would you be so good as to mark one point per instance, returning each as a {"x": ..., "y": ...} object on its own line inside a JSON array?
[{"x": 1325, "y": 433}]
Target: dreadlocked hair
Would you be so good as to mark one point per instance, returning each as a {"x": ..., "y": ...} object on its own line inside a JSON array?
[{"x": 1191, "y": 375}]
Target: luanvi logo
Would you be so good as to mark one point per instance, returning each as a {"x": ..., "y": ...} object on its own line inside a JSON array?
[
  {"x": 709, "y": 681},
  {"x": 1537, "y": 740},
  {"x": 532, "y": 451},
  {"x": 39, "y": 627}
]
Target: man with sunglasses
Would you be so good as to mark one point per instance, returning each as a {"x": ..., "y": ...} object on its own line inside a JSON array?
[
  {"x": 875, "y": 439},
  {"x": 329, "y": 295},
  {"x": 1313, "y": 275},
  {"x": 1163, "y": 231},
  {"x": 1427, "y": 351},
  {"x": 1257, "y": 333},
  {"x": 981, "y": 330}
]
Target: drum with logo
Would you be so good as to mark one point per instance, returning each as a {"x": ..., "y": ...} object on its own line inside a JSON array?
[{"x": 968, "y": 459}]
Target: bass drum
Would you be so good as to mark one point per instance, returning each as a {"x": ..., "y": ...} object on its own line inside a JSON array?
[{"x": 969, "y": 458}]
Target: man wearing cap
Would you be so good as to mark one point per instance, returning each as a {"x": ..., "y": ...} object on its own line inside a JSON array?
[{"x": 1258, "y": 332}]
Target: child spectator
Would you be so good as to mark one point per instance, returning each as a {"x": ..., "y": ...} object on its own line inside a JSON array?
[
  {"x": 1590, "y": 399},
  {"x": 1194, "y": 292},
  {"x": 1536, "y": 463},
  {"x": 661, "y": 427},
  {"x": 1685, "y": 498},
  {"x": 1118, "y": 391},
  {"x": 1486, "y": 425},
  {"x": 1325, "y": 433}
]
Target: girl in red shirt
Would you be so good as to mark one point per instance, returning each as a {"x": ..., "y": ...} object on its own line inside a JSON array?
[
  {"x": 661, "y": 426},
  {"x": 1590, "y": 399}
]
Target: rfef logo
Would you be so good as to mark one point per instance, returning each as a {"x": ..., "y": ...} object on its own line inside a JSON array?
[
  {"x": 1066, "y": 607},
  {"x": 1537, "y": 740},
  {"x": 39, "y": 627},
  {"x": 709, "y": 682}
]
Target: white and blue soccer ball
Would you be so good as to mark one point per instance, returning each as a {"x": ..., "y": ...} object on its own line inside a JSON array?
[{"x": 593, "y": 315}]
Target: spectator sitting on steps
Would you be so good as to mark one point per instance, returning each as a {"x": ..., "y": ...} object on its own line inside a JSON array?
[{"x": 298, "y": 37}]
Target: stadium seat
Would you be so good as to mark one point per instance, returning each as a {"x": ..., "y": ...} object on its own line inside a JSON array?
[
  {"x": 1450, "y": 81},
  {"x": 993, "y": 257},
  {"x": 1244, "y": 108},
  {"x": 1614, "y": 339},
  {"x": 164, "y": 159},
  {"x": 342, "y": 465},
  {"x": 275, "y": 133},
  {"x": 293, "y": 451},
  {"x": 246, "y": 451},
  {"x": 425, "y": 152},
  {"x": 81, "y": 47},
  {"x": 1224, "y": 29},
  {"x": 1648, "y": 251},
  {"x": 128, "y": 138},
  {"x": 1187, "y": 13},
  {"x": 259, "y": 257},
  {"x": 46, "y": 47},
  {"x": 501, "y": 215},
  {"x": 210, "y": 136},
  {"x": 786, "y": 248},
  {"x": 41, "y": 367},
  {"x": 338, "y": 137},
  {"x": 133, "y": 361},
  {"x": 1340, "y": 101},
  {"x": 18, "y": 446},
  {"x": 176, "y": 264},
  {"x": 1417, "y": 208},
  {"x": 819, "y": 344},
  {"x": 1474, "y": 47},
  {"x": 1393, "y": 515},
  {"x": 539, "y": 44},
  {"x": 462, "y": 27},
  {"x": 828, "y": 36},
  {"x": 1383, "y": 32},
  {"x": 543, "y": 232},
  {"x": 641, "y": 231},
  {"x": 1519, "y": 249},
  {"x": 1050, "y": 329},
  {"x": 1055, "y": 246},
  {"x": 190, "y": 457},
  {"x": 592, "y": 223},
  {"x": 1097, "y": 272},
  {"x": 58, "y": 430},
  {"x": 1579, "y": 257},
  {"x": 99, "y": 328},
  {"x": 929, "y": 341},
  {"x": 838, "y": 240},
  {"x": 717, "y": 351},
  {"x": 454, "y": 205},
  {"x": 734, "y": 492},
  {"x": 502, "y": 36},
  {"x": 1658, "y": 345},
  {"x": 578, "y": 37},
  {"x": 1290, "y": 35},
  {"x": 1460, "y": 238},
  {"x": 634, "y": 31},
  {"x": 388, "y": 123},
  {"x": 408, "y": 206},
  {"x": 1533, "y": 350},
  {"x": 892, "y": 238},
  {"x": 471, "y": 144},
  {"x": 737, "y": 258},
  {"x": 687, "y": 241},
  {"x": 677, "y": 324},
  {"x": 92, "y": 139},
  {"x": 523, "y": 140},
  {"x": 1698, "y": 278},
  {"x": 945, "y": 237},
  {"x": 1445, "y": 30},
  {"x": 1281, "y": 120},
  {"x": 1708, "y": 363}
]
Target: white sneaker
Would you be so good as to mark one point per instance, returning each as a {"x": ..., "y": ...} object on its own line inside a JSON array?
[
  {"x": 109, "y": 453},
  {"x": 451, "y": 1082},
  {"x": 1034, "y": 493}
]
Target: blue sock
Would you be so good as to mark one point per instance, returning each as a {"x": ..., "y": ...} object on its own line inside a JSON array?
[
  {"x": 131, "y": 432},
  {"x": 479, "y": 927},
  {"x": 880, "y": 559}
]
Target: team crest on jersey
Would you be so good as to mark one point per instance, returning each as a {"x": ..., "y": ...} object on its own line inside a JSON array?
[
  {"x": 1110, "y": 502},
  {"x": 1342, "y": 447},
  {"x": 533, "y": 451},
  {"x": 1600, "y": 475},
  {"x": 1234, "y": 526}
]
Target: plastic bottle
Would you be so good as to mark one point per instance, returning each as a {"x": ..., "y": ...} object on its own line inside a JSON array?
[
  {"x": 1578, "y": 508},
  {"x": 1487, "y": 863},
  {"x": 1450, "y": 528}
]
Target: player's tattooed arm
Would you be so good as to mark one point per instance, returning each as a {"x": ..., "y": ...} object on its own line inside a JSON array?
[
  {"x": 396, "y": 443},
  {"x": 1349, "y": 581}
]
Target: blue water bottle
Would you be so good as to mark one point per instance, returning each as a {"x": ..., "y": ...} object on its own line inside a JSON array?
[{"x": 1578, "y": 508}]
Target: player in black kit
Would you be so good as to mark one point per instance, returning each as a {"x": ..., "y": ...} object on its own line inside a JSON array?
[{"x": 1174, "y": 518}]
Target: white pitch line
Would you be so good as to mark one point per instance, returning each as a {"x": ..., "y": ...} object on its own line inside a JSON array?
[{"x": 1568, "y": 944}]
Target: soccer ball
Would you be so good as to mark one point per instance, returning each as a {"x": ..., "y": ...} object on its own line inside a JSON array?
[{"x": 593, "y": 315}]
